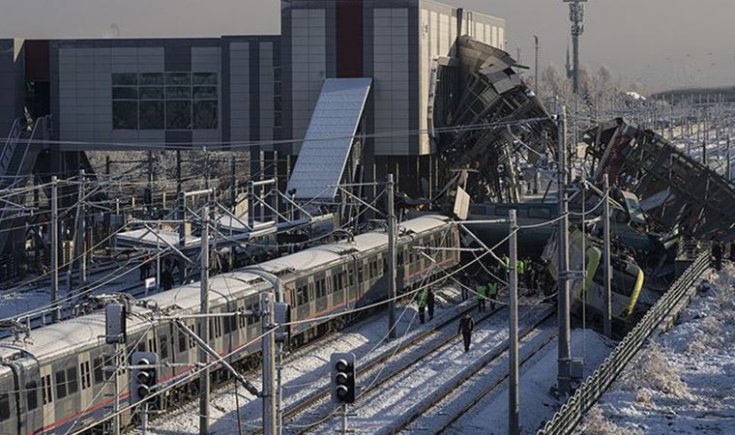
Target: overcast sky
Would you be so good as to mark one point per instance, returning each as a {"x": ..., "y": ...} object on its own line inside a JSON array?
[{"x": 664, "y": 42}]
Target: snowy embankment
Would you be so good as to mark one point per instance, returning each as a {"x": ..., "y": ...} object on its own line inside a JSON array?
[{"x": 684, "y": 381}]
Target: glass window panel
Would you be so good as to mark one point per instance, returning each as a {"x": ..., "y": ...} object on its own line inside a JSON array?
[
  {"x": 152, "y": 115},
  {"x": 205, "y": 79},
  {"x": 178, "y": 92},
  {"x": 126, "y": 79},
  {"x": 178, "y": 115},
  {"x": 124, "y": 115},
  {"x": 71, "y": 376},
  {"x": 151, "y": 93},
  {"x": 128, "y": 93},
  {"x": 98, "y": 373},
  {"x": 151, "y": 79},
  {"x": 178, "y": 78},
  {"x": 60, "y": 384},
  {"x": 32, "y": 395},
  {"x": 205, "y": 115},
  {"x": 4, "y": 406},
  {"x": 205, "y": 92}
]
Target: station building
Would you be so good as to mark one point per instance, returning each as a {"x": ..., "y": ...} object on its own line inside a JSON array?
[{"x": 253, "y": 92}]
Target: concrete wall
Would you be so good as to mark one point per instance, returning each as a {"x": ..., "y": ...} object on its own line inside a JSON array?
[{"x": 11, "y": 83}]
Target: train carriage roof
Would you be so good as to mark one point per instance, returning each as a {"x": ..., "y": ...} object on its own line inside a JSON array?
[{"x": 53, "y": 340}]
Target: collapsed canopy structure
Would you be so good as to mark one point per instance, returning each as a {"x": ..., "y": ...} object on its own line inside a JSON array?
[
  {"x": 483, "y": 113},
  {"x": 676, "y": 190}
]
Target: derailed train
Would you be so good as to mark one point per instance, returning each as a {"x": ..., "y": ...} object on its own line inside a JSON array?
[{"x": 57, "y": 382}]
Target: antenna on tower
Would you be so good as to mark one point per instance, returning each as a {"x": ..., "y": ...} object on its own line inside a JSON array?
[{"x": 576, "y": 16}]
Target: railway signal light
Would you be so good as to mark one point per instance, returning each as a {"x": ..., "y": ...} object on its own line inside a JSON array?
[
  {"x": 343, "y": 377},
  {"x": 144, "y": 376}
]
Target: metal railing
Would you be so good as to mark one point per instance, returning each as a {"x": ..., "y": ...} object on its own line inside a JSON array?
[{"x": 572, "y": 412}]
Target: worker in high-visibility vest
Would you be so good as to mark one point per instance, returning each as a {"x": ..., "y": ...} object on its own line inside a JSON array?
[
  {"x": 481, "y": 296},
  {"x": 421, "y": 302},
  {"x": 521, "y": 271},
  {"x": 492, "y": 293}
]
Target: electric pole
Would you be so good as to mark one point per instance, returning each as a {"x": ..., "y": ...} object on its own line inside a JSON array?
[
  {"x": 269, "y": 364},
  {"x": 513, "y": 390},
  {"x": 564, "y": 356},
  {"x": 576, "y": 16},
  {"x": 728, "y": 175},
  {"x": 204, "y": 326},
  {"x": 535, "y": 67},
  {"x": 391, "y": 257},
  {"x": 54, "y": 248},
  {"x": 607, "y": 317}
]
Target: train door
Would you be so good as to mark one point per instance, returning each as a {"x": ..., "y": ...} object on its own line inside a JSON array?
[
  {"x": 321, "y": 301},
  {"x": 86, "y": 385},
  {"x": 29, "y": 381},
  {"x": 9, "y": 412},
  {"x": 47, "y": 395}
]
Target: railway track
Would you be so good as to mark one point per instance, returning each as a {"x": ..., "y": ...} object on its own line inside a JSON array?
[
  {"x": 475, "y": 385},
  {"x": 308, "y": 414},
  {"x": 299, "y": 401}
]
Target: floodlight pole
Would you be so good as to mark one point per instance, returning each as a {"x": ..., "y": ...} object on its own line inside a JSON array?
[{"x": 576, "y": 16}]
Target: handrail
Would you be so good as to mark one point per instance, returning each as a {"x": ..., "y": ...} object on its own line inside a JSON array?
[
  {"x": 13, "y": 136},
  {"x": 572, "y": 412}
]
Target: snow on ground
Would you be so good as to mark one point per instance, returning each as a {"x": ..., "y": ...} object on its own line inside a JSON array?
[
  {"x": 537, "y": 377},
  {"x": 683, "y": 382},
  {"x": 306, "y": 370},
  {"x": 383, "y": 406}
]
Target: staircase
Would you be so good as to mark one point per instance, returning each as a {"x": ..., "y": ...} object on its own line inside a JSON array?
[{"x": 17, "y": 158}]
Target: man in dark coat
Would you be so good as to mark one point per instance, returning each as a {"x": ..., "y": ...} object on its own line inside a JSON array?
[
  {"x": 167, "y": 279},
  {"x": 466, "y": 325},
  {"x": 717, "y": 253},
  {"x": 421, "y": 302},
  {"x": 430, "y": 303}
]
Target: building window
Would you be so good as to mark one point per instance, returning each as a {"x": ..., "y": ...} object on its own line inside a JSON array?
[{"x": 172, "y": 100}]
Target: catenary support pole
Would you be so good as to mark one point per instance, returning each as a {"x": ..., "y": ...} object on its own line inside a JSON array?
[
  {"x": 233, "y": 183},
  {"x": 607, "y": 315},
  {"x": 728, "y": 174},
  {"x": 116, "y": 387},
  {"x": 54, "y": 248},
  {"x": 269, "y": 364},
  {"x": 391, "y": 256},
  {"x": 513, "y": 390},
  {"x": 204, "y": 326},
  {"x": 82, "y": 232},
  {"x": 564, "y": 354}
]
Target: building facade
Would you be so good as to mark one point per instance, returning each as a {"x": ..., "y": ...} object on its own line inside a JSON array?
[{"x": 260, "y": 90}]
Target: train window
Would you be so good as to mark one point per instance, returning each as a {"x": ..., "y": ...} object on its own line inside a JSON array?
[
  {"x": 60, "y": 384},
  {"x": 141, "y": 346},
  {"x": 399, "y": 257},
  {"x": 164, "y": 346},
  {"x": 385, "y": 264},
  {"x": 302, "y": 295},
  {"x": 351, "y": 275},
  {"x": 192, "y": 343},
  {"x": 252, "y": 319},
  {"x": 244, "y": 319},
  {"x": 360, "y": 273},
  {"x": 84, "y": 370},
  {"x": 227, "y": 325},
  {"x": 32, "y": 395},
  {"x": 99, "y": 376},
  {"x": 218, "y": 327},
  {"x": 335, "y": 282},
  {"x": 4, "y": 406},
  {"x": 71, "y": 379},
  {"x": 46, "y": 389},
  {"x": 182, "y": 341},
  {"x": 321, "y": 290},
  {"x": 152, "y": 345}
]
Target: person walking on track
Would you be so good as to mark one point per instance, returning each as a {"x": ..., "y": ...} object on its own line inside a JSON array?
[
  {"x": 430, "y": 303},
  {"x": 466, "y": 325},
  {"x": 480, "y": 289},
  {"x": 421, "y": 302}
]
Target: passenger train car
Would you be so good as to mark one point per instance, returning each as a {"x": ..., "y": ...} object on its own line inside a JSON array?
[{"x": 57, "y": 381}]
